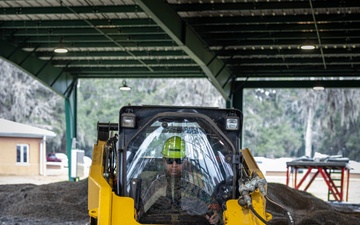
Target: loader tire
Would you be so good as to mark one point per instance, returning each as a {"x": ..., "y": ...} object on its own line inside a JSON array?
[{"x": 93, "y": 221}]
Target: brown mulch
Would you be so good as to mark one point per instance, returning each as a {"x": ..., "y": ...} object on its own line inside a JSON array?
[
  {"x": 307, "y": 209},
  {"x": 66, "y": 203},
  {"x": 55, "y": 203}
]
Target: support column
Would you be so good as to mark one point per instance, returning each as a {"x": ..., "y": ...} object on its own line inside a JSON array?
[
  {"x": 238, "y": 101},
  {"x": 71, "y": 121},
  {"x": 42, "y": 158}
]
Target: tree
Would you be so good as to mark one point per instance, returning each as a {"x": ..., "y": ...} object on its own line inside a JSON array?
[
  {"x": 340, "y": 124},
  {"x": 268, "y": 130},
  {"x": 276, "y": 121},
  {"x": 322, "y": 106},
  {"x": 25, "y": 100},
  {"x": 306, "y": 106},
  {"x": 99, "y": 100},
  {"x": 324, "y": 121}
]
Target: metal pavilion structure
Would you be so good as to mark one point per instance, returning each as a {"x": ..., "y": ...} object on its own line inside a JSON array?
[{"x": 236, "y": 44}]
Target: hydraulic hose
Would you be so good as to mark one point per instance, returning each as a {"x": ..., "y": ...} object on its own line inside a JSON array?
[
  {"x": 245, "y": 188},
  {"x": 257, "y": 214},
  {"x": 286, "y": 212}
]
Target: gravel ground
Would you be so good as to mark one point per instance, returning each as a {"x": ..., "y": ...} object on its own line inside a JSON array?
[{"x": 66, "y": 203}]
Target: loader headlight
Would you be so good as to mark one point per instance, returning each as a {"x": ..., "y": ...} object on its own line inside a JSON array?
[
  {"x": 232, "y": 123},
  {"x": 128, "y": 120}
]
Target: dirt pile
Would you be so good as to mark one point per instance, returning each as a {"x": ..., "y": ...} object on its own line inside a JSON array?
[
  {"x": 55, "y": 203},
  {"x": 307, "y": 209},
  {"x": 66, "y": 203}
]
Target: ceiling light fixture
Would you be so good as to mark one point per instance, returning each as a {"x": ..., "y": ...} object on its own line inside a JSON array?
[
  {"x": 307, "y": 47},
  {"x": 318, "y": 86},
  {"x": 60, "y": 48},
  {"x": 125, "y": 87}
]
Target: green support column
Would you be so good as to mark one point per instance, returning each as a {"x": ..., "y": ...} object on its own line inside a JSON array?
[
  {"x": 229, "y": 104},
  {"x": 238, "y": 101},
  {"x": 71, "y": 121}
]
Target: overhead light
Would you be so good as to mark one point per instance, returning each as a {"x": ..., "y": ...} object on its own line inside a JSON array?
[
  {"x": 60, "y": 48},
  {"x": 307, "y": 47},
  {"x": 318, "y": 88},
  {"x": 125, "y": 87}
]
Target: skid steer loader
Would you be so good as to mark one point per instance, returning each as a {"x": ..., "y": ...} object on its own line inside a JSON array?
[{"x": 128, "y": 184}]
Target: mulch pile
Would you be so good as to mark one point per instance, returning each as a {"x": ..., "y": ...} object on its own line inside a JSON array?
[
  {"x": 55, "y": 203},
  {"x": 307, "y": 209},
  {"x": 66, "y": 203}
]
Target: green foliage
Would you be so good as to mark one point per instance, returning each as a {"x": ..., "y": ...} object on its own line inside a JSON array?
[
  {"x": 275, "y": 119},
  {"x": 269, "y": 131},
  {"x": 341, "y": 139},
  {"x": 25, "y": 100},
  {"x": 100, "y": 100}
]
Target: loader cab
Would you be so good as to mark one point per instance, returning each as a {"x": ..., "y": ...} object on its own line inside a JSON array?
[{"x": 211, "y": 143}]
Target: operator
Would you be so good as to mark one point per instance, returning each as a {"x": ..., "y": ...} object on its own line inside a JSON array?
[{"x": 179, "y": 195}]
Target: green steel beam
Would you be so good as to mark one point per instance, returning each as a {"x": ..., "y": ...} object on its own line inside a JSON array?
[
  {"x": 133, "y": 62},
  {"x": 79, "y": 38},
  {"x": 355, "y": 83},
  {"x": 148, "y": 53},
  {"x": 242, "y": 31},
  {"x": 287, "y": 53},
  {"x": 112, "y": 55},
  {"x": 246, "y": 6},
  {"x": 105, "y": 44},
  {"x": 47, "y": 32},
  {"x": 269, "y": 27},
  {"x": 292, "y": 61},
  {"x": 143, "y": 76},
  {"x": 54, "y": 24},
  {"x": 284, "y": 35},
  {"x": 65, "y": 10},
  {"x": 54, "y": 78},
  {"x": 267, "y": 72},
  {"x": 136, "y": 72},
  {"x": 241, "y": 85},
  {"x": 190, "y": 42},
  {"x": 238, "y": 103},
  {"x": 254, "y": 5},
  {"x": 267, "y": 21},
  {"x": 270, "y": 19}
]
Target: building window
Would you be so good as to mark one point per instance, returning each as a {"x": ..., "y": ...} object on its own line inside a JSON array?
[{"x": 22, "y": 153}]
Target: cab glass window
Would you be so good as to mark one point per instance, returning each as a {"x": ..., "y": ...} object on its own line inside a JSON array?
[{"x": 179, "y": 163}]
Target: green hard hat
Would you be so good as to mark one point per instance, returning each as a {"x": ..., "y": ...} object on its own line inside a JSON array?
[{"x": 174, "y": 147}]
